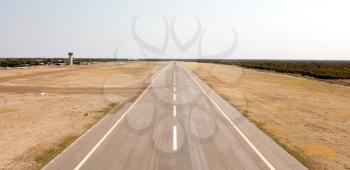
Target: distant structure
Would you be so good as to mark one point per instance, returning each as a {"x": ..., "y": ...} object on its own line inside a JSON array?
[{"x": 70, "y": 54}]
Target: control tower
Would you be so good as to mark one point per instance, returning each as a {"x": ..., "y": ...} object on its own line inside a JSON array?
[{"x": 70, "y": 54}]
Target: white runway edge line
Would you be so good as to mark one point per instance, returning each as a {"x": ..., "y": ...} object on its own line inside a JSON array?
[
  {"x": 235, "y": 127},
  {"x": 81, "y": 163}
]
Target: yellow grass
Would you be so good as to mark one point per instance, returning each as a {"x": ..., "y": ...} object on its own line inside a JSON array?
[{"x": 309, "y": 118}]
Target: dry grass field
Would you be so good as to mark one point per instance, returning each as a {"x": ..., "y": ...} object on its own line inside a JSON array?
[
  {"x": 44, "y": 108},
  {"x": 309, "y": 118}
]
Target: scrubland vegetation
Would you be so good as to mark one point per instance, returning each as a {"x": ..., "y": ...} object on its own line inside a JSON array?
[{"x": 317, "y": 69}]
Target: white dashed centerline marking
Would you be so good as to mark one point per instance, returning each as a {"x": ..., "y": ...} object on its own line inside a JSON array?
[
  {"x": 174, "y": 114},
  {"x": 174, "y": 138}
]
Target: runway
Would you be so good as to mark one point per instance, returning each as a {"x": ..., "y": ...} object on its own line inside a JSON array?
[{"x": 178, "y": 123}]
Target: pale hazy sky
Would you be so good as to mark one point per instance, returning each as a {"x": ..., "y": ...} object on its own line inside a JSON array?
[{"x": 273, "y": 29}]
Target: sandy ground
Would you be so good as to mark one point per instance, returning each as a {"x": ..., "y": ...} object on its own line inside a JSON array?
[
  {"x": 345, "y": 82},
  {"x": 307, "y": 116},
  {"x": 29, "y": 70},
  {"x": 42, "y": 106}
]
